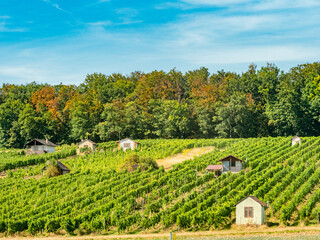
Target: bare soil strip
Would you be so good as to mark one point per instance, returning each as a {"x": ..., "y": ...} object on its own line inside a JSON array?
[
  {"x": 187, "y": 154},
  {"x": 239, "y": 232}
]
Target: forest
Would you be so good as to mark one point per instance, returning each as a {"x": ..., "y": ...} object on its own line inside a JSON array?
[{"x": 196, "y": 104}]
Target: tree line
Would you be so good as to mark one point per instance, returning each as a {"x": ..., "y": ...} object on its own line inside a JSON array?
[{"x": 196, "y": 104}]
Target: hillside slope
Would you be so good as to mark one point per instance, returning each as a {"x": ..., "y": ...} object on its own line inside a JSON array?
[{"x": 96, "y": 198}]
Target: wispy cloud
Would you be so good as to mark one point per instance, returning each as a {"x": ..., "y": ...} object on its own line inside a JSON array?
[
  {"x": 284, "y": 4},
  {"x": 55, "y": 6},
  {"x": 209, "y": 33},
  {"x": 22, "y": 72},
  {"x": 215, "y": 2},
  {"x": 101, "y": 23},
  {"x": 190, "y": 4},
  {"x": 127, "y": 16},
  {"x": 5, "y": 27},
  {"x": 245, "y": 5},
  {"x": 247, "y": 54}
]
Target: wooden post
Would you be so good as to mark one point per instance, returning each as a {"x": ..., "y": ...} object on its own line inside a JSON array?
[
  {"x": 216, "y": 193},
  {"x": 173, "y": 236}
]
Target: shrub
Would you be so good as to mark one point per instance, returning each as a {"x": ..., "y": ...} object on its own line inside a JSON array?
[
  {"x": 52, "y": 225},
  {"x": 52, "y": 171},
  {"x": 133, "y": 161},
  {"x": 68, "y": 226}
]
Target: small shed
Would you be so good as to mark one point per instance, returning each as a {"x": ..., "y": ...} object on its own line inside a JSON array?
[
  {"x": 40, "y": 146},
  {"x": 215, "y": 168},
  {"x": 61, "y": 167},
  {"x": 250, "y": 210},
  {"x": 127, "y": 143},
  {"x": 88, "y": 144},
  {"x": 295, "y": 140},
  {"x": 231, "y": 164}
]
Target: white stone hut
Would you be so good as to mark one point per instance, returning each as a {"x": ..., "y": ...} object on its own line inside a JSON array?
[
  {"x": 88, "y": 144},
  {"x": 295, "y": 140},
  {"x": 251, "y": 211},
  {"x": 127, "y": 143},
  {"x": 40, "y": 146},
  {"x": 231, "y": 164}
]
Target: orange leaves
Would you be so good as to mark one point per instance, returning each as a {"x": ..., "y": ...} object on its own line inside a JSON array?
[
  {"x": 159, "y": 85},
  {"x": 46, "y": 99},
  {"x": 206, "y": 92}
]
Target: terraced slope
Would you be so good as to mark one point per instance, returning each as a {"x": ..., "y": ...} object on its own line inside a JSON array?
[{"x": 94, "y": 197}]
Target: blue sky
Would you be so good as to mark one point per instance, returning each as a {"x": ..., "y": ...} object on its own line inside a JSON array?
[{"x": 57, "y": 41}]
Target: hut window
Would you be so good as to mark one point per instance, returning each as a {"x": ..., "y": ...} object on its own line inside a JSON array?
[
  {"x": 233, "y": 163},
  {"x": 248, "y": 212},
  {"x": 126, "y": 145}
]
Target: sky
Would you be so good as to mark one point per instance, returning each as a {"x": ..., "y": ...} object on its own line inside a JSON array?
[{"x": 61, "y": 41}]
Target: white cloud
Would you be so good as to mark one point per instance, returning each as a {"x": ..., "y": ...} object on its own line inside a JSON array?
[
  {"x": 22, "y": 72},
  {"x": 284, "y": 4},
  {"x": 247, "y": 54},
  {"x": 215, "y": 2},
  {"x": 55, "y": 6},
  {"x": 100, "y": 23},
  {"x": 242, "y": 5},
  {"x": 194, "y": 39},
  {"x": 5, "y": 28}
]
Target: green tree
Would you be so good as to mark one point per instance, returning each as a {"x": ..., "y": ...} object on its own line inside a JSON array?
[{"x": 236, "y": 119}]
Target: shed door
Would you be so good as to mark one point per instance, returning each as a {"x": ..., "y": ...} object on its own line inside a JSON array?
[{"x": 226, "y": 165}]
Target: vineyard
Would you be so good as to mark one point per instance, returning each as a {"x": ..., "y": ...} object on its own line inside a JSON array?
[{"x": 98, "y": 197}]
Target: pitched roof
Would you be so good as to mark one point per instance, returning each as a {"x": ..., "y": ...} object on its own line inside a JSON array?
[
  {"x": 42, "y": 142},
  {"x": 127, "y": 139},
  {"x": 238, "y": 159},
  {"x": 88, "y": 141},
  {"x": 62, "y": 166},
  {"x": 296, "y": 137},
  {"x": 59, "y": 165},
  {"x": 254, "y": 198},
  {"x": 214, "y": 167}
]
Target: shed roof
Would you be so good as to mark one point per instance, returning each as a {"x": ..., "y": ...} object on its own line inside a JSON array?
[
  {"x": 214, "y": 167},
  {"x": 254, "y": 198},
  {"x": 41, "y": 142},
  {"x": 230, "y": 156},
  {"x": 62, "y": 166},
  {"x": 296, "y": 137},
  {"x": 87, "y": 140},
  {"x": 127, "y": 139},
  {"x": 59, "y": 165}
]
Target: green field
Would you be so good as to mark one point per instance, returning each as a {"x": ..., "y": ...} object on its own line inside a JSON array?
[{"x": 97, "y": 197}]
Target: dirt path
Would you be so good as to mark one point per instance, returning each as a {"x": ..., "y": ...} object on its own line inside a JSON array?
[
  {"x": 239, "y": 232},
  {"x": 185, "y": 155}
]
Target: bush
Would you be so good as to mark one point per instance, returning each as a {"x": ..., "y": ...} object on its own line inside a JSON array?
[
  {"x": 3, "y": 226},
  {"x": 147, "y": 162},
  {"x": 133, "y": 161},
  {"x": 52, "y": 225},
  {"x": 52, "y": 171},
  {"x": 68, "y": 226}
]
